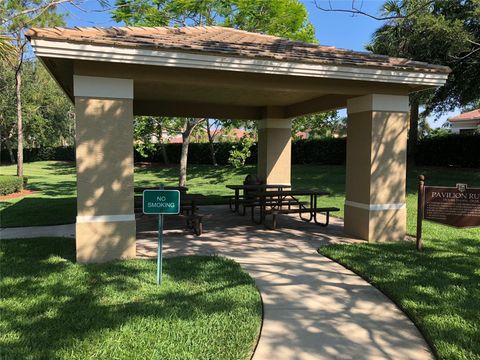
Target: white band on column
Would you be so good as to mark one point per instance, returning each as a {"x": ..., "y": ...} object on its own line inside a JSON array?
[
  {"x": 375, "y": 207},
  {"x": 105, "y": 218}
]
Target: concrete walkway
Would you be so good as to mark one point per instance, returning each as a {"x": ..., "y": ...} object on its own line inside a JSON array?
[
  {"x": 313, "y": 307},
  {"x": 67, "y": 230}
]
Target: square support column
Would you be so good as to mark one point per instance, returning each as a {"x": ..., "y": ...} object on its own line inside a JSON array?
[
  {"x": 376, "y": 167},
  {"x": 275, "y": 151},
  {"x": 105, "y": 226}
]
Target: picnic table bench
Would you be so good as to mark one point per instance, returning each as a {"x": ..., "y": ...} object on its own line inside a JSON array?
[
  {"x": 245, "y": 199},
  {"x": 280, "y": 202}
]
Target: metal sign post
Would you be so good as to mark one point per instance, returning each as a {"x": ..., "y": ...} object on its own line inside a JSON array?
[
  {"x": 161, "y": 202},
  {"x": 160, "y": 249}
]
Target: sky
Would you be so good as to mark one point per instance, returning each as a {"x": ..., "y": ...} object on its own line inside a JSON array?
[{"x": 337, "y": 29}]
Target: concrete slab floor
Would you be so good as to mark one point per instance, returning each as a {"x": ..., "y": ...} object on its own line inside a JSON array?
[{"x": 313, "y": 307}]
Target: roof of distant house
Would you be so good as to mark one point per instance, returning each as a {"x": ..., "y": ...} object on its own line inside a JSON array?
[
  {"x": 470, "y": 115},
  {"x": 228, "y": 42}
]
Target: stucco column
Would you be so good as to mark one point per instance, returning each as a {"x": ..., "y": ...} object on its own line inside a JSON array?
[
  {"x": 376, "y": 167},
  {"x": 105, "y": 226},
  {"x": 275, "y": 151}
]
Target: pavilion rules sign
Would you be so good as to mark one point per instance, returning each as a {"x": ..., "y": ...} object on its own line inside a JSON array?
[{"x": 455, "y": 206}]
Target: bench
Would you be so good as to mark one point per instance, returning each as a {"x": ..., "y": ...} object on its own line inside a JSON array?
[
  {"x": 194, "y": 222},
  {"x": 313, "y": 214},
  {"x": 300, "y": 210},
  {"x": 274, "y": 204}
]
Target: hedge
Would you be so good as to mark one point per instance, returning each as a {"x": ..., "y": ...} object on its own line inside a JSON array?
[
  {"x": 451, "y": 150},
  {"x": 329, "y": 151},
  {"x": 10, "y": 184},
  {"x": 198, "y": 153},
  {"x": 42, "y": 154}
]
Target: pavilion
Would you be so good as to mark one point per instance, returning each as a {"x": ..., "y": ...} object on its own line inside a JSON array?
[{"x": 113, "y": 74}]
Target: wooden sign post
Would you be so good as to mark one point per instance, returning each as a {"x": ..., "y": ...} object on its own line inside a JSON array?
[{"x": 420, "y": 210}]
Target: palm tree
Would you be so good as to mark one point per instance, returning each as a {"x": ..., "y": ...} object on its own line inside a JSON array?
[
  {"x": 7, "y": 50},
  {"x": 394, "y": 38}
]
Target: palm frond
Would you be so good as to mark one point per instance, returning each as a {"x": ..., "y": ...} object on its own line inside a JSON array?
[{"x": 8, "y": 51}]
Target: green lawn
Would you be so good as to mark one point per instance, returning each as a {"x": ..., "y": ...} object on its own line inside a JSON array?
[
  {"x": 55, "y": 201},
  {"x": 439, "y": 288},
  {"x": 53, "y": 308}
]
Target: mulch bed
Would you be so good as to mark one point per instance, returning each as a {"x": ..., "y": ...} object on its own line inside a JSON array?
[{"x": 24, "y": 192}]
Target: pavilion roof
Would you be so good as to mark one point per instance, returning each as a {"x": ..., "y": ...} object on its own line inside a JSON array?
[{"x": 216, "y": 40}]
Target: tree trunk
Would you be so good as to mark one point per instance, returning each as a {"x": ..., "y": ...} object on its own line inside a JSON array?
[
  {"x": 413, "y": 131},
  {"x": 18, "y": 95},
  {"x": 164, "y": 154},
  {"x": 189, "y": 125},
  {"x": 161, "y": 144},
  {"x": 10, "y": 150},
  {"x": 210, "y": 140},
  {"x": 6, "y": 135}
]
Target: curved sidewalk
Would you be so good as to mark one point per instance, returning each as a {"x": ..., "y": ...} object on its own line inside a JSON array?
[
  {"x": 67, "y": 230},
  {"x": 313, "y": 307}
]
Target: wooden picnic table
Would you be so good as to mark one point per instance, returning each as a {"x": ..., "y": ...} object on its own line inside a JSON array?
[
  {"x": 280, "y": 202},
  {"x": 182, "y": 189},
  {"x": 247, "y": 187}
]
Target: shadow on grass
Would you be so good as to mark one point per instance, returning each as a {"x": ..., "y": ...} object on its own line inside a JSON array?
[
  {"x": 57, "y": 308},
  {"x": 206, "y": 173},
  {"x": 58, "y": 188},
  {"x": 38, "y": 211},
  {"x": 62, "y": 167}
]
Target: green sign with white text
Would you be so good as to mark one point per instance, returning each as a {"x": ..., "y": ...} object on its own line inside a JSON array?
[{"x": 161, "y": 202}]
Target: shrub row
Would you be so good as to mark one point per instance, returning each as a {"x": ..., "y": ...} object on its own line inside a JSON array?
[
  {"x": 450, "y": 150},
  {"x": 42, "y": 154},
  {"x": 198, "y": 153},
  {"x": 329, "y": 151},
  {"x": 10, "y": 184}
]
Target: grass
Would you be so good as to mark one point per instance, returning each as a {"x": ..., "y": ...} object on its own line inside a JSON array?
[
  {"x": 53, "y": 308},
  {"x": 439, "y": 288},
  {"x": 55, "y": 201}
]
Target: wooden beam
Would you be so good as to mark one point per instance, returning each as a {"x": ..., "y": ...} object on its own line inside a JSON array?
[
  {"x": 191, "y": 109},
  {"x": 230, "y": 79},
  {"x": 319, "y": 104}
]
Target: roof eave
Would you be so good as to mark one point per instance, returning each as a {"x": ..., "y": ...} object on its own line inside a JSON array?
[{"x": 191, "y": 59}]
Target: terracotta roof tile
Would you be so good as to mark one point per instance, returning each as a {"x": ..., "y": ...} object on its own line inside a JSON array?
[
  {"x": 227, "y": 41},
  {"x": 470, "y": 115}
]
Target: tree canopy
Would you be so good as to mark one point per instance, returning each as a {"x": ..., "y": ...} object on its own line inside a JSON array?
[
  {"x": 48, "y": 116},
  {"x": 445, "y": 32},
  {"x": 285, "y": 18}
]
